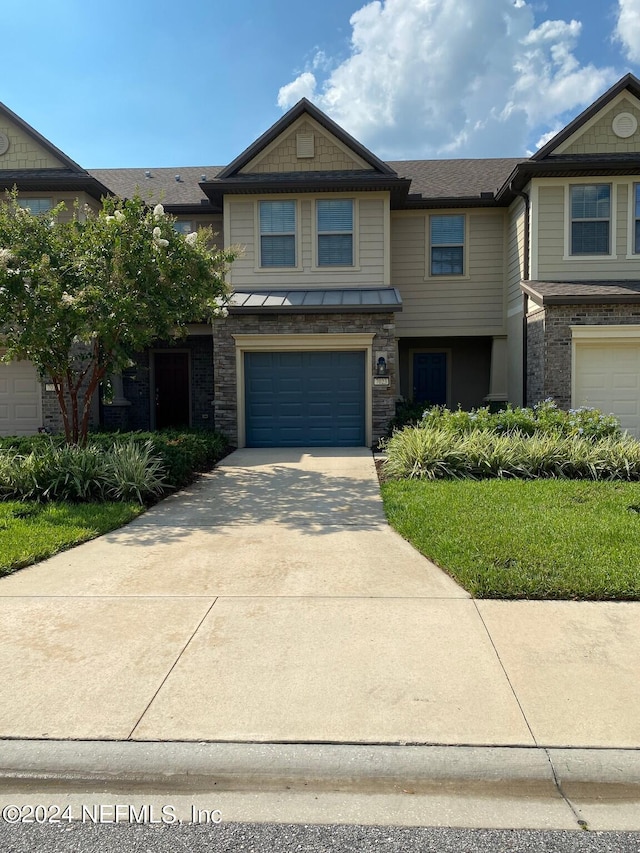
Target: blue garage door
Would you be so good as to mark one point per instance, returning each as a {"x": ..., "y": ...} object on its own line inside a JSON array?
[{"x": 305, "y": 399}]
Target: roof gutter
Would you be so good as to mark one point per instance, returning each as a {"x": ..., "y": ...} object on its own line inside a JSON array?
[{"x": 525, "y": 296}]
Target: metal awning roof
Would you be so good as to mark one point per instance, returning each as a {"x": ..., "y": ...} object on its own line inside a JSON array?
[{"x": 318, "y": 301}]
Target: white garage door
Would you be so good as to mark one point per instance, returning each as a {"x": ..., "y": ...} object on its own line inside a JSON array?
[
  {"x": 607, "y": 377},
  {"x": 20, "y": 399}
]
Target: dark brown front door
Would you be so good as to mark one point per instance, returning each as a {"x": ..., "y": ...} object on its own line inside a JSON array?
[{"x": 171, "y": 371}]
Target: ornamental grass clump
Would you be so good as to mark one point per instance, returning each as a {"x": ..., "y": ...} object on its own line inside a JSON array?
[
  {"x": 435, "y": 453},
  {"x": 82, "y": 474}
]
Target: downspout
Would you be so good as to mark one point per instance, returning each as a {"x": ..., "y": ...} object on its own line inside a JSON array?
[{"x": 525, "y": 301}]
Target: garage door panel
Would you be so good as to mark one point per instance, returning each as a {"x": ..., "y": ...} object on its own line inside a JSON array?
[
  {"x": 20, "y": 399},
  {"x": 607, "y": 378},
  {"x": 625, "y": 380},
  {"x": 28, "y": 410},
  {"x": 312, "y": 398}
]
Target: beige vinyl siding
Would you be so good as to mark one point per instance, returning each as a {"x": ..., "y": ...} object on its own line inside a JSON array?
[
  {"x": 599, "y": 138},
  {"x": 551, "y": 228},
  {"x": 24, "y": 152},
  {"x": 370, "y": 230},
  {"x": 515, "y": 254},
  {"x": 443, "y": 305},
  {"x": 281, "y": 154},
  {"x": 515, "y": 268},
  {"x": 213, "y": 222}
]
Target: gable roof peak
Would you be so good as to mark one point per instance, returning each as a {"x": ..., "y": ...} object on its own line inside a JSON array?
[
  {"x": 301, "y": 107},
  {"x": 629, "y": 83},
  {"x": 57, "y": 154}
]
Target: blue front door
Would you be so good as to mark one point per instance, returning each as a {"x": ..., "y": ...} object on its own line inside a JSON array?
[
  {"x": 430, "y": 378},
  {"x": 298, "y": 399}
]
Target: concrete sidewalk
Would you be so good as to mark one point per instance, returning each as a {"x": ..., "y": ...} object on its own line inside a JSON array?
[{"x": 270, "y": 602}]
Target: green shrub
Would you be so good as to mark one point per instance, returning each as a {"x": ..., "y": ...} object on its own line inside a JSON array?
[
  {"x": 407, "y": 413},
  {"x": 129, "y": 466},
  {"x": 183, "y": 452},
  {"x": 544, "y": 418},
  {"x": 434, "y": 453}
]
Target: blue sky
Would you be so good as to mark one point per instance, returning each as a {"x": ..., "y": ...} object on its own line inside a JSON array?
[{"x": 162, "y": 83}]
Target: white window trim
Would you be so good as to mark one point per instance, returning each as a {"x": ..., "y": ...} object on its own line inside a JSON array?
[
  {"x": 355, "y": 234},
  {"x": 303, "y": 343},
  {"x": 632, "y": 255},
  {"x": 258, "y": 241},
  {"x": 465, "y": 249},
  {"x": 613, "y": 198}
]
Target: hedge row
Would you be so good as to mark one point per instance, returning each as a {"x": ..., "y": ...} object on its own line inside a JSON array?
[{"x": 139, "y": 466}]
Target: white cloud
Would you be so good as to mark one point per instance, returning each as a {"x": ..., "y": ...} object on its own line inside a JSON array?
[
  {"x": 427, "y": 78},
  {"x": 628, "y": 28},
  {"x": 303, "y": 86}
]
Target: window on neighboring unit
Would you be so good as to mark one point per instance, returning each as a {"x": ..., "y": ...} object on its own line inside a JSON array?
[
  {"x": 277, "y": 233},
  {"x": 36, "y": 205},
  {"x": 335, "y": 232},
  {"x": 590, "y": 219},
  {"x": 182, "y": 226},
  {"x": 447, "y": 244}
]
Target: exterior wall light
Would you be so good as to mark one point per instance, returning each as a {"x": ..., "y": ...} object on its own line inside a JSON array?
[{"x": 381, "y": 366}]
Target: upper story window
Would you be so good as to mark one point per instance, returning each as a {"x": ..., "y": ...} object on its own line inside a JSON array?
[
  {"x": 36, "y": 205},
  {"x": 447, "y": 244},
  {"x": 183, "y": 226},
  {"x": 590, "y": 219},
  {"x": 335, "y": 232},
  {"x": 277, "y": 233}
]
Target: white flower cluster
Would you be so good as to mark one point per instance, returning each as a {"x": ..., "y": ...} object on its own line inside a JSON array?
[
  {"x": 158, "y": 239},
  {"x": 6, "y": 255},
  {"x": 220, "y": 309},
  {"x": 192, "y": 238}
]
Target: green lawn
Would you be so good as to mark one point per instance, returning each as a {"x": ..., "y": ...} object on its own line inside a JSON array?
[
  {"x": 30, "y": 531},
  {"x": 562, "y": 539}
]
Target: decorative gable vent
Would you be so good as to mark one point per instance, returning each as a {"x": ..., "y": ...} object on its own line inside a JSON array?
[
  {"x": 624, "y": 125},
  {"x": 304, "y": 145}
]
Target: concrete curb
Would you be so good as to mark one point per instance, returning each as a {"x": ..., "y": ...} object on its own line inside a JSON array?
[{"x": 196, "y": 767}]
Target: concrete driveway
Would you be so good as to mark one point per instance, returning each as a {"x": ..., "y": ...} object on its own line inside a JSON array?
[{"x": 271, "y": 602}]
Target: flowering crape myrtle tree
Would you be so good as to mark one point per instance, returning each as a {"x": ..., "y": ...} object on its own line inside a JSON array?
[{"x": 78, "y": 298}]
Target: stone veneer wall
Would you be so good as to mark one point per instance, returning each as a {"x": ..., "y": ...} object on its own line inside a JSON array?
[
  {"x": 549, "y": 348},
  {"x": 535, "y": 357},
  {"x": 381, "y": 325}
]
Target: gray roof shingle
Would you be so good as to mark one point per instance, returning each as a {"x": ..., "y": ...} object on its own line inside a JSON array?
[
  {"x": 582, "y": 292},
  {"x": 161, "y": 185},
  {"x": 435, "y": 179},
  {"x": 455, "y": 178}
]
